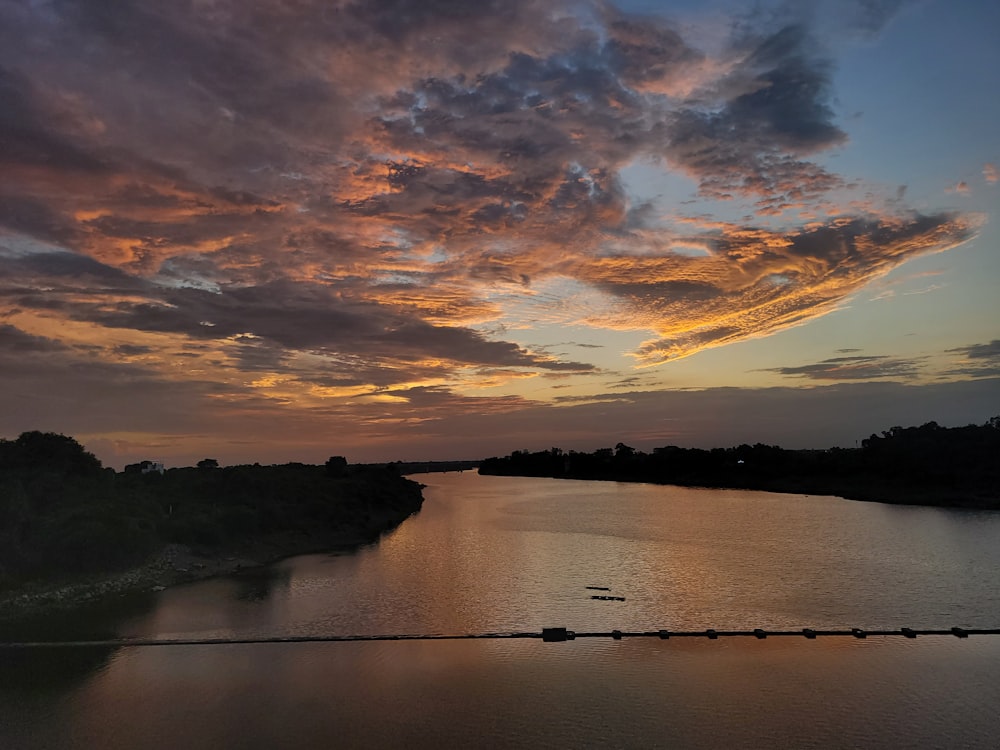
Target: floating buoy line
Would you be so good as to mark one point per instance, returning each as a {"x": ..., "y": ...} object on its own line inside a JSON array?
[{"x": 548, "y": 635}]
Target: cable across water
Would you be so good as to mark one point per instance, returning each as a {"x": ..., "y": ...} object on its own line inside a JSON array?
[{"x": 548, "y": 635}]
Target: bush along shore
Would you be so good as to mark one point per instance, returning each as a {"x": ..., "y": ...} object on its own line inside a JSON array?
[
  {"x": 73, "y": 531},
  {"x": 926, "y": 465}
]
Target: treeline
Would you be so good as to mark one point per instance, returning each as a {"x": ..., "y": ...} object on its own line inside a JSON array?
[
  {"x": 61, "y": 511},
  {"x": 930, "y": 464},
  {"x": 432, "y": 467}
]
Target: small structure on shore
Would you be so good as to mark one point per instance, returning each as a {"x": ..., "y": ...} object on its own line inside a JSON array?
[{"x": 145, "y": 467}]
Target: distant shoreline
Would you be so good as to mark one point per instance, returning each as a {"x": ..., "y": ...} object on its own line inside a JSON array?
[
  {"x": 928, "y": 465},
  {"x": 884, "y": 495}
]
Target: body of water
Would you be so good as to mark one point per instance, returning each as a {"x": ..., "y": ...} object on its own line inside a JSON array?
[{"x": 490, "y": 554}]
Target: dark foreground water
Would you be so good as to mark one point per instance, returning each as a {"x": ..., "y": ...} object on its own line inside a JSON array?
[{"x": 511, "y": 554}]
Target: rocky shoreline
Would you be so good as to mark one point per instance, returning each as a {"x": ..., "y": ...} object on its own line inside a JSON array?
[{"x": 176, "y": 563}]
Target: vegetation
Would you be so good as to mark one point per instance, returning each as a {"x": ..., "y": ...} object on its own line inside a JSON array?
[
  {"x": 433, "y": 467},
  {"x": 929, "y": 465},
  {"x": 62, "y": 512}
]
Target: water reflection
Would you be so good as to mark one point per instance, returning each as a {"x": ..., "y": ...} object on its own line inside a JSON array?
[
  {"x": 691, "y": 693},
  {"x": 93, "y": 621},
  {"x": 259, "y": 584},
  {"x": 496, "y": 553},
  {"x": 50, "y": 671}
]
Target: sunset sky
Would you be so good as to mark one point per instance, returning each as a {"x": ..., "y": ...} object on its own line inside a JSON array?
[{"x": 425, "y": 229}]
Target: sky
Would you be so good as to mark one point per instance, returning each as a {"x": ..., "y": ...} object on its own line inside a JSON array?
[{"x": 279, "y": 230}]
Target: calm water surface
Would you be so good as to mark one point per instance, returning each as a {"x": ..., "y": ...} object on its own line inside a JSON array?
[{"x": 513, "y": 554}]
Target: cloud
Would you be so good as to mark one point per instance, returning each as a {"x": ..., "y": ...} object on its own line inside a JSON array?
[
  {"x": 757, "y": 281},
  {"x": 961, "y": 187},
  {"x": 990, "y": 173},
  {"x": 317, "y": 205},
  {"x": 14, "y": 341},
  {"x": 869, "y": 17},
  {"x": 292, "y": 316},
  {"x": 978, "y": 360},
  {"x": 854, "y": 368},
  {"x": 748, "y": 133},
  {"x": 989, "y": 351}
]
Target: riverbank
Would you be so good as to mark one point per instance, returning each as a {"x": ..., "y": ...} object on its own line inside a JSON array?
[
  {"x": 871, "y": 492},
  {"x": 928, "y": 465},
  {"x": 890, "y": 494},
  {"x": 73, "y": 532},
  {"x": 176, "y": 564}
]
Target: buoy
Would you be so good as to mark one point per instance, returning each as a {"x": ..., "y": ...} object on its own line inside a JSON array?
[{"x": 554, "y": 635}]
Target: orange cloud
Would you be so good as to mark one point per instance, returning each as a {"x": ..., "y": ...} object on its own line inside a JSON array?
[{"x": 346, "y": 206}]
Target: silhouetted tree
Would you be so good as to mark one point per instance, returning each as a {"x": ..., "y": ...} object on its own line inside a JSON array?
[
  {"x": 336, "y": 466},
  {"x": 47, "y": 451},
  {"x": 624, "y": 451}
]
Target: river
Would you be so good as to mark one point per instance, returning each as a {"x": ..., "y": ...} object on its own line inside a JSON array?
[{"x": 499, "y": 554}]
